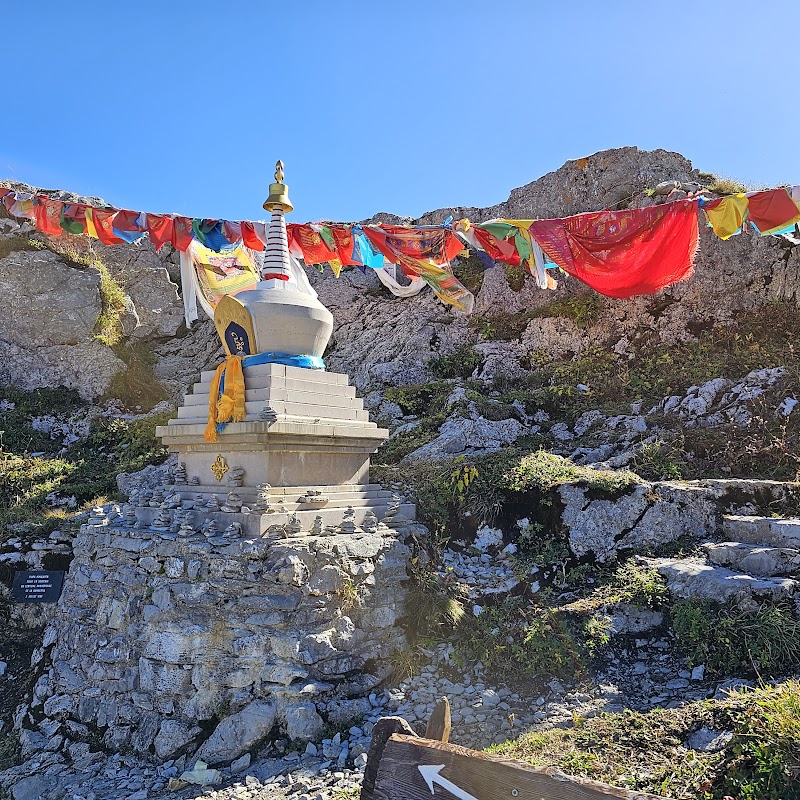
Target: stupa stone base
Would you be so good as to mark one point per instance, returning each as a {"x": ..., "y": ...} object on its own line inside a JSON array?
[
  {"x": 316, "y": 433},
  {"x": 160, "y": 638}
]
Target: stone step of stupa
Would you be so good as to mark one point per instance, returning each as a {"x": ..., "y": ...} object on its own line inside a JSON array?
[
  {"x": 279, "y": 371},
  {"x": 767, "y": 531},
  {"x": 289, "y": 384},
  {"x": 757, "y": 560},
  {"x": 254, "y": 524},
  {"x": 346, "y": 490},
  {"x": 307, "y": 410},
  {"x": 248, "y": 496},
  {"x": 272, "y": 395}
]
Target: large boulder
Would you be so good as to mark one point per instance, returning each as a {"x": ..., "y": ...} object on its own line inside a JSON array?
[{"x": 239, "y": 733}]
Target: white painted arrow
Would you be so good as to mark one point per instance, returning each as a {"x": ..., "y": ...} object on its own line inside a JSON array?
[{"x": 430, "y": 774}]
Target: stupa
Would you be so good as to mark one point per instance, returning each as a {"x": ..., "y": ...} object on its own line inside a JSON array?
[{"x": 305, "y": 434}]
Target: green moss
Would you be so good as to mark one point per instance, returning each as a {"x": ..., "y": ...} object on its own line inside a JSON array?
[
  {"x": 136, "y": 386},
  {"x": 543, "y": 470},
  {"x": 421, "y": 400},
  {"x": 643, "y": 751},
  {"x": 583, "y": 309},
  {"x": 503, "y": 326}
]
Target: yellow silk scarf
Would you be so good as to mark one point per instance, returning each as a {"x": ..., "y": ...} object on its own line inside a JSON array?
[{"x": 229, "y": 406}]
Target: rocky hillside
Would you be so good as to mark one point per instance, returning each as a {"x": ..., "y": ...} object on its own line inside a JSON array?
[{"x": 609, "y": 487}]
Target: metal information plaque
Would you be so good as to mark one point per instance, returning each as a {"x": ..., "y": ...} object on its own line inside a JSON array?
[{"x": 37, "y": 586}]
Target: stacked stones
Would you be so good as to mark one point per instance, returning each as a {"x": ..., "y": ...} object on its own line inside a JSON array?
[{"x": 176, "y": 626}]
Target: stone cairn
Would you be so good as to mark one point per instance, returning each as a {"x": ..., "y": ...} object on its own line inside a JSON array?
[
  {"x": 233, "y": 503},
  {"x": 263, "y": 503},
  {"x": 392, "y": 509},
  {"x": 348, "y": 523},
  {"x": 98, "y": 517},
  {"x": 129, "y": 516},
  {"x": 162, "y": 520},
  {"x": 318, "y": 526},
  {"x": 157, "y": 498},
  {"x": 233, "y": 531},
  {"x": 213, "y": 503},
  {"x": 194, "y": 481},
  {"x": 370, "y": 524},
  {"x": 180, "y": 475},
  {"x": 144, "y": 498},
  {"x": 293, "y": 527},
  {"x": 235, "y": 477}
]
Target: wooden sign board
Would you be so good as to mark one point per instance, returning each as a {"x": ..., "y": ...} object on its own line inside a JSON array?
[
  {"x": 411, "y": 768},
  {"x": 235, "y": 327},
  {"x": 37, "y": 586}
]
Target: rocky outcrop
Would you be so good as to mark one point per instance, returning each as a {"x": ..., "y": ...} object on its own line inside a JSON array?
[
  {"x": 155, "y": 632},
  {"x": 652, "y": 515}
]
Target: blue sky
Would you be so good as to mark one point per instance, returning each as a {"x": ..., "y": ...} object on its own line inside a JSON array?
[{"x": 385, "y": 106}]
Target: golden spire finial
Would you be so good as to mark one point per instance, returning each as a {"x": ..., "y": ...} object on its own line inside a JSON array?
[{"x": 278, "y": 192}]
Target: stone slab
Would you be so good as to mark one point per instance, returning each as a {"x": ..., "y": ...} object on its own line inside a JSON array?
[{"x": 771, "y": 531}]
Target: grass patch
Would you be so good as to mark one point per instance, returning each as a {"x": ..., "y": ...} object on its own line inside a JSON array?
[
  {"x": 646, "y": 751},
  {"x": 722, "y": 185},
  {"x": 422, "y": 400},
  {"x": 730, "y": 641},
  {"x": 108, "y": 327},
  {"x": 519, "y": 642},
  {"x": 499, "y": 482},
  {"x": 503, "y": 327},
  {"x": 86, "y": 469},
  {"x": 20, "y": 244},
  {"x": 459, "y": 363},
  {"x": 583, "y": 309},
  {"x": 515, "y": 276}
]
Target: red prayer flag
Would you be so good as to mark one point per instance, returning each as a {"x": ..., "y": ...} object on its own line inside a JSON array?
[
  {"x": 125, "y": 220},
  {"x": 312, "y": 245},
  {"x": 249, "y": 238},
  {"x": 160, "y": 228},
  {"x": 437, "y": 245},
  {"x": 772, "y": 210},
  {"x": 624, "y": 253},
  {"x": 343, "y": 236},
  {"x": 103, "y": 223},
  {"x": 48, "y": 215},
  {"x": 181, "y": 233},
  {"x": 502, "y": 250}
]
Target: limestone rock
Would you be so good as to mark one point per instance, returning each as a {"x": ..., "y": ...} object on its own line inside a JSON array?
[
  {"x": 302, "y": 722},
  {"x": 173, "y": 737},
  {"x": 51, "y": 303},
  {"x": 239, "y": 733}
]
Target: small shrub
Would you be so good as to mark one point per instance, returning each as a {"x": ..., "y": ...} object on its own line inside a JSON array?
[
  {"x": 469, "y": 270},
  {"x": 432, "y": 608},
  {"x": 729, "y": 640},
  {"x": 722, "y": 185},
  {"x": 460, "y": 363},
  {"x": 516, "y": 641}
]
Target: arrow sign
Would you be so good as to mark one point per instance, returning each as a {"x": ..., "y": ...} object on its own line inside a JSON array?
[{"x": 430, "y": 774}]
